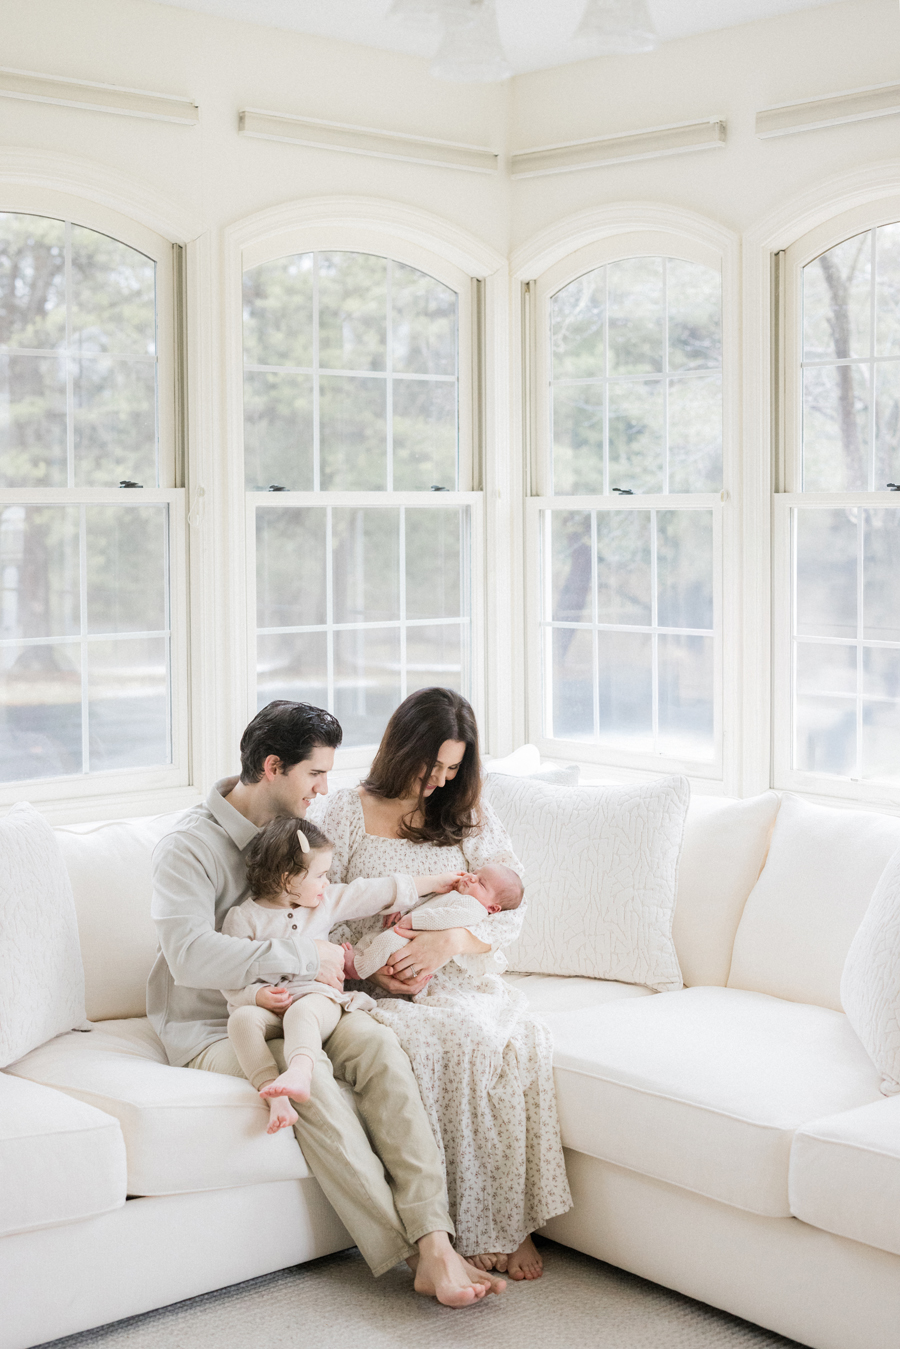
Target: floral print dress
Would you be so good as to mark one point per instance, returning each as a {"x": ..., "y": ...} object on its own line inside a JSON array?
[{"x": 483, "y": 1062}]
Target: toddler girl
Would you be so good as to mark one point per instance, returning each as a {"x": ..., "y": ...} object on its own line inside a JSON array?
[{"x": 287, "y": 866}]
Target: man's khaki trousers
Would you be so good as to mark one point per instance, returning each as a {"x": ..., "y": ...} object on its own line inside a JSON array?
[{"x": 384, "y": 1214}]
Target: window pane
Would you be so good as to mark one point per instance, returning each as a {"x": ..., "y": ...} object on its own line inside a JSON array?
[
  {"x": 32, "y": 421},
  {"x": 636, "y": 435},
  {"x": 826, "y": 572},
  {"x": 825, "y": 735},
  {"x": 625, "y": 682},
  {"x": 577, "y": 438},
  {"x": 278, "y": 430},
  {"x": 576, "y": 327},
  {"x": 686, "y": 696},
  {"x": 623, "y": 567},
  {"x": 425, "y": 439},
  {"x": 278, "y": 312},
  {"x": 572, "y": 684},
  {"x": 434, "y": 657},
  {"x": 115, "y": 422},
  {"x": 352, "y": 311},
  {"x": 823, "y": 669},
  {"x": 366, "y": 682},
  {"x": 880, "y": 757},
  {"x": 887, "y": 424},
  {"x": 694, "y": 307},
  {"x": 290, "y": 567},
  {"x": 835, "y": 428},
  {"x": 113, "y": 296},
  {"x": 433, "y": 563},
  {"x": 126, "y": 552},
  {"x": 366, "y": 559},
  {"x": 881, "y": 575},
  {"x": 695, "y": 434},
  {"x": 636, "y": 337},
  {"x": 353, "y": 433},
  {"x": 569, "y": 535},
  {"x": 684, "y": 568},
  {"x": 292, "y": 665},
  {"x": 128, "y": 704},
  {"x": 40, "y": 711},
  {"x": 836, "y": 301},
  {"x": 32, "y": 282},
  {"x": 39, "y": 572},
  {"x": 887, "y": 244},
  {"x": 424, "y": 323}
]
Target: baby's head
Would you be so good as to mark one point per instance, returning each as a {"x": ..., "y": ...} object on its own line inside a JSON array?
[
  {"x": 495, "y": 887},
  {"x": 289, "y": 858}
]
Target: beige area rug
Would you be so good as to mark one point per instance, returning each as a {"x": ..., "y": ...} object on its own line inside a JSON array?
[{"x": 333, "y": 1304}]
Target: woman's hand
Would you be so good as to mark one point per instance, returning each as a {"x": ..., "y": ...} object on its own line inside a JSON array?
[
  {"x": 428, "y": 951},
  {"x": 274, "y": 999}
]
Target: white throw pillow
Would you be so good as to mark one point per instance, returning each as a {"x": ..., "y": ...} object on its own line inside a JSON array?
[
  {"x": 41, "y": 979},
  {"x": 803, "y": 912},
  {"x": 870, "y": 984},
  {"x": 601, "y": 866}
]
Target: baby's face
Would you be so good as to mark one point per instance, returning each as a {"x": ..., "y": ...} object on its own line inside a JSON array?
[{"x": 481, "y": 887}]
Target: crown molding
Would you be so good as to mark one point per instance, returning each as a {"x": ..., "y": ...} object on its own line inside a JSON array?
[
  {"x": 654, "y": 143},
  {"x": 91, "y": 97},
  {"x": 855, "y": 105}
]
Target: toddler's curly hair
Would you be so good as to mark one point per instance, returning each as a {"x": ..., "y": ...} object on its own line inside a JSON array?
[{"x": 275, "y": 854}]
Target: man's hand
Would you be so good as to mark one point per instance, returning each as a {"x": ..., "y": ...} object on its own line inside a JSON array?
[
  {"x": 331, "y": 965},
  {"x": 274, "y": 999}
]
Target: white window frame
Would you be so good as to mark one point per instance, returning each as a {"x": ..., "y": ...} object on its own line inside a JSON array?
[
  {"x": 788, "y": 495},
  {"x": 70, "y": 796},
  {"x": 291, "y": 239},
  {"x": 718, "y": 774}
]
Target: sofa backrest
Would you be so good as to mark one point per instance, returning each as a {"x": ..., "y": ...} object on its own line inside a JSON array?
[
  {"x": 802, "y": 915},
  {"x": 109, "y": 867}
]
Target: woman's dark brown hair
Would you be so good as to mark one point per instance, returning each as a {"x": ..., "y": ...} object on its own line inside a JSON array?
[
  {"x": 275, "y": 854},
  {"x": 409, "y": 749}
]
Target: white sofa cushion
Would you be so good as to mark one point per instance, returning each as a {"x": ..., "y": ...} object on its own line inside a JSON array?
[
  {"x": 803, "y": 912},
  {"x": 41, "y": 979},
  {"x": 549, "y": 994},
  {"x": 600, "y": 873},
  {"x": 845, "y": 1175},
  {"x": 870, "y": 984},
  {"x": 60, "y": 1160},
  {"x": 184, "y": 1130},
  {"x": 109, "y": 867},
  {"x": 705, "y": 1088},
  {"x": 725, "y": 845}
]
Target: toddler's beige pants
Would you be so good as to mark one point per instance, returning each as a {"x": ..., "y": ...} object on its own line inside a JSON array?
[{"x": 306, "y": 1026}]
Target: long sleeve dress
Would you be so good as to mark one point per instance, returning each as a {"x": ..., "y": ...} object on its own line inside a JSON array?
[{"x": 481, "y": 1059}]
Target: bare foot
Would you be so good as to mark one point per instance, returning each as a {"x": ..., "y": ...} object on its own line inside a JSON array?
[
  {"x": 442, "y": 1274},
  {"x": 489, "y": 1260},
  {"x": 281, "y": 1114},
  {"x": 525, "y": 1263},
  {"x": 294, "y": 1081}
]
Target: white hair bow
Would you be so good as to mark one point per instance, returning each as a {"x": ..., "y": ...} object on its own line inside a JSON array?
[{"x": 303, "y": 841}]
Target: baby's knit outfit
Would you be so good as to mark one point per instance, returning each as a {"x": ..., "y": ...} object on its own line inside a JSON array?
[{"x": 432, "y": 915}]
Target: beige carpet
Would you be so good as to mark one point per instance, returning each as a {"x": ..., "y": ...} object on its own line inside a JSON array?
[{"x": 333, "y": 1304}]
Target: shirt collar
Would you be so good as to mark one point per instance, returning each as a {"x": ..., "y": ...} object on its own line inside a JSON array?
[{"x": 238, "y": 828}]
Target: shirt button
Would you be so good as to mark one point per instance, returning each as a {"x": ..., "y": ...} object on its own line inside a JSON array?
[
  {"x": 290, "y": 915},
  {"x": 310, "y": 968},
  {"x": 293, "y": 927}
]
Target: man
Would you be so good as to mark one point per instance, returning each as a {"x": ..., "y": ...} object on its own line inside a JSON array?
[{"x": 199, "y": 873}]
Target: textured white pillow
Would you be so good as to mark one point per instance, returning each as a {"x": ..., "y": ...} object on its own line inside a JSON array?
[
  {"x": 870, "y": 984},
  {"x": 41, "y": 979},
  {"x": 601, "y": 866}
]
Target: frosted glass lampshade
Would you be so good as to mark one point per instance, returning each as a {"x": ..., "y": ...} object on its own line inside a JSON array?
[
  {"x": 618, "y": 27},
  {"x": 471, "y": 50}
]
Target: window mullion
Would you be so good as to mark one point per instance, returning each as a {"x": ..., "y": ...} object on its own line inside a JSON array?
[{"x": 317, "y": 476}]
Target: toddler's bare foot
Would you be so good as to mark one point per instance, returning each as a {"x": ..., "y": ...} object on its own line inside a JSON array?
[
  {"x": 349, "y": 961},
  {"x": 443, "y": 1274},
  {"x": 489, "y": 1260},
  {"x": 281, "y": 1113},
  {"x": 525, "y": 1263},
  {"x": 295, "y": 1081}
]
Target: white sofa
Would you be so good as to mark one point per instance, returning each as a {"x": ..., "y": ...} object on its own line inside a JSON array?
[{"x": 729, "y": 1141}]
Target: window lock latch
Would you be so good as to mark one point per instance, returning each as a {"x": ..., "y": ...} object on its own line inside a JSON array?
[
  {"x": 275, "y": 487},
  {"x": 126, "y": 482},
  {"x": 893, "y": 486},
  {"x": 624, "y": 491}
]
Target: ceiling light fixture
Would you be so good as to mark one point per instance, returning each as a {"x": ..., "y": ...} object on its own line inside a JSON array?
[
  {"x": 618, "y": 27},
  {"x": 470, "y": 51}
]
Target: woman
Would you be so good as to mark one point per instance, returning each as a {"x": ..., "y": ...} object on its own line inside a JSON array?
[{"x": 483, "y": 1063}]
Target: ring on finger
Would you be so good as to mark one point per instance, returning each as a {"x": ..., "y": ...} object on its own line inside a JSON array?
[{"x": 415, "y": 973}]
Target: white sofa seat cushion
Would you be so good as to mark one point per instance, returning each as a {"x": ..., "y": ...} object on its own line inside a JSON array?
[
  {"x": 184, "y": 1130},
  {"x": 705, "y": 1088},
  {"x": 60, "y": 1160},
  {"x": 845, "y": 1174},
  {"x": 550, "y": 994}
]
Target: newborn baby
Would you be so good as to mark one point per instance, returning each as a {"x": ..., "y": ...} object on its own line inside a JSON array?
[{"x": 489, "y": 890}]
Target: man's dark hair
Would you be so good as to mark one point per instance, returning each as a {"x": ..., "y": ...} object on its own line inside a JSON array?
[{"x": 290, "y": 730}]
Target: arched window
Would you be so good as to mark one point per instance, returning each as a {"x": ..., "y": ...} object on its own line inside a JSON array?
[
  {"x": 628, "y": 518},
  {"x": 357, "y": 441},
  {"x": 838, "y": 522},
  {"x": 89, "y": 523}
]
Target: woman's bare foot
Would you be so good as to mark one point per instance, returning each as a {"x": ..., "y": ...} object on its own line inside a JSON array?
[
  {"x": 281, "y": 1113},
  {"x": 525, "y": 1263},
  {"x": 295, "y": 1081},
  {"x": 442, "y": 1274}
]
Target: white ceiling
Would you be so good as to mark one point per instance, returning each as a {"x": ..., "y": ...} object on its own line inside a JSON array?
[{"x": 536, "y": 34}]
